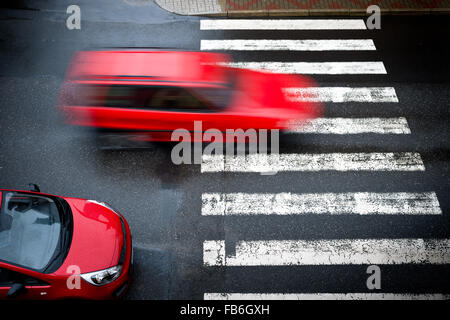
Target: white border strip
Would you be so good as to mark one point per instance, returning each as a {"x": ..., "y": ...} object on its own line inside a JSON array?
[
  {"x": 402, "y": 161},
  {"x": 351, "y": 126},
  {"x": 328, "y": 252},
  {"x": 282, "y": 24},
  {"x": 289, "y": 45},
  {"x": 359, "y": 203},
  {"x": 325, "y": 296},
  {"x": 342, "y": 94},
  {"x": 366, "y": 67}
]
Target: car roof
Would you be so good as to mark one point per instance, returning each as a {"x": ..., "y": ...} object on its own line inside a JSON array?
[{"x": 148, "y": 65}]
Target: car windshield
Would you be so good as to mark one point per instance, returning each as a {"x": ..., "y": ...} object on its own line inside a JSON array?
[
  {"x": 154, "y": 97},
  {"x": 30, "y": 229}
]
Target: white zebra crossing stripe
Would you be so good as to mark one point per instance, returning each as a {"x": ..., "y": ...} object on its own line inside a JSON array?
[
  {"x": 320, "y": 252},
  {"x": 404, "y": 161},
  {"x": 282, "y": 24},
  {"x": 359, "y": 203},
  {"x": 366, "y": 67},
  {"x": 328, "y": 252},
  {"x": 324, "y": 296},
  {"x": 342, "y": 94},
  {"x": 351, "y": 126},
  {"x": 291, "y": 45}
]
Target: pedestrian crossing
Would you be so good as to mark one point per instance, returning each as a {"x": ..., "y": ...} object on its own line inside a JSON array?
[
  {"x": 282, "y": 24},
  {"x": 342, "y": 94},
  {"x": 339, "y": 68},
  {"x": 351, "y": 126},
  {"x": 261, "y": 162},
  {"x": 328, "y": 252},
  {"x": 324, "y": 296},
  {"x": 356, "y": 203},
  {"x": 291, "y": 45}
]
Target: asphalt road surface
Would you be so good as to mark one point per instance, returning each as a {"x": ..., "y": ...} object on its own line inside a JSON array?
[{"x": 372, "y": 188}]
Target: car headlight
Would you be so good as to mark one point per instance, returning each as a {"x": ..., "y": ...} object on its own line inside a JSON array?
[{"x": 102, "y": 277}]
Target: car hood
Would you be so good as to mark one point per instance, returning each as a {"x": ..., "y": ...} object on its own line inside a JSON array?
[{"x": 97, "y": 237}]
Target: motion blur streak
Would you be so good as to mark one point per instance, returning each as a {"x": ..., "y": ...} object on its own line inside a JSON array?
[{"x": 144, "y": 95}]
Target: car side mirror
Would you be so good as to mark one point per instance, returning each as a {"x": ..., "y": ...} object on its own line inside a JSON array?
[
  {"x": 16, "y": 290},
  {"x": 34, "y": 187}
]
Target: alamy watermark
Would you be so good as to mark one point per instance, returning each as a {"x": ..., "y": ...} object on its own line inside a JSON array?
[
  {"x": 374, "y": 20},
  {"x": 189, "y": 149},
  {"x": 74, "y": 20},
  {"x": 374, "y": 280},
  {"x": 74, "y": 280}
]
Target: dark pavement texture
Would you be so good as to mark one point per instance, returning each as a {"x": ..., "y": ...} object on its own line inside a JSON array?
[{"x": 162, "y": 201}]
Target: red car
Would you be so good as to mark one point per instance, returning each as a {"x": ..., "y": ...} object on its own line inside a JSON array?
[
  {"x": 147, "y": 94},
  {"x": 61, "y": 248}
]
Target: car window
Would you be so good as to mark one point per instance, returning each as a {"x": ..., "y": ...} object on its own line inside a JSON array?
[
  {"x": 218, "y": 98},
  {"x": 123, "y": 96},
  {"x": 166, "y": 98},
  {"x": 175, "y": 99},
  {"x": 30, "y": 229}
]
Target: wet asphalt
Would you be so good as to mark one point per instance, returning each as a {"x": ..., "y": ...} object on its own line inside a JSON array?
[{"x": 162, "y": 201}]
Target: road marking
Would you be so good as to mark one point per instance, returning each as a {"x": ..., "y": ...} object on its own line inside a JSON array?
[
  {"x": 366, "y": 67},
  {"x": 282, "y": 24},
  {"x": 359, "y": 203},
  {"x": 292, "y": 45},
  {"x": 328, "y": 252},
  {"x": 351, "y": 126},
  {"x": 342, "y": 94},
  {"x": 325, "y": 296},
  {"x": 402, "y": 161}
]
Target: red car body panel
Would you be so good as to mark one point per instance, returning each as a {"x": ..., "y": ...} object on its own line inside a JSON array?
[
  {"x": 170, "y": 65},
  {"x": 93, "y": 224},
  {"x": 257, "y": 100},
  {"x": 96, "y": 245}
]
